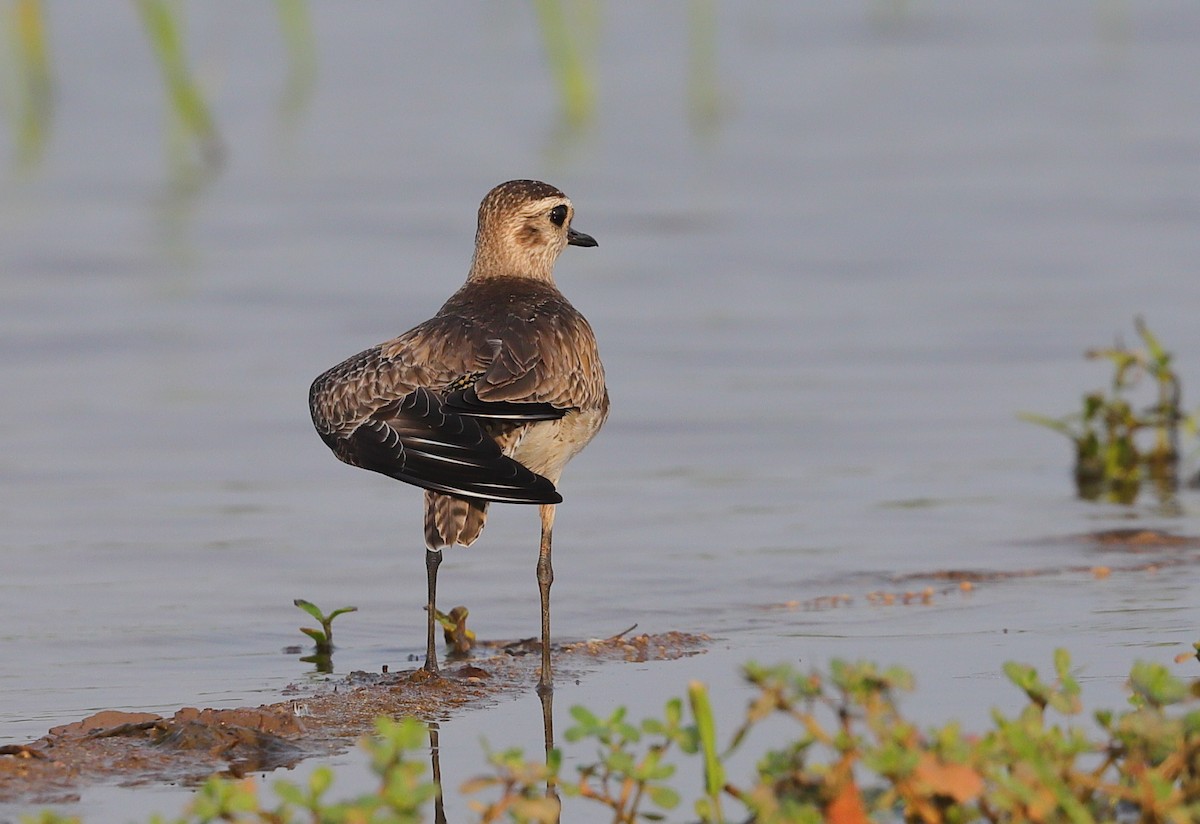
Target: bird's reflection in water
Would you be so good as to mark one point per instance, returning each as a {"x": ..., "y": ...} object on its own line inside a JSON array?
[
  {"x": 435, "y": 760},
  {"x": 547, "y": 699},
  {"x": 439, "y": 810}
]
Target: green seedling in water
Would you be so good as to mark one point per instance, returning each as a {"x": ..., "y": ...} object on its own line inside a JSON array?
[
  {"x": 1118, "y": 445},
  {"x": 459, "y": 639},
  {"x": 323, "y": 637}
]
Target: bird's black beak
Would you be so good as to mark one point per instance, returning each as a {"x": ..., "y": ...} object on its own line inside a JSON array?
[{"x": 580, "y": 239}]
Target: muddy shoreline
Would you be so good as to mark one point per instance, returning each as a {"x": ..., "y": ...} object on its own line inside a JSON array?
[{"x": 136, "y": 748}]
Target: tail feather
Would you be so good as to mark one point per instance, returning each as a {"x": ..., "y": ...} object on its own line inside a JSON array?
[{"x": 450, "y": 520}]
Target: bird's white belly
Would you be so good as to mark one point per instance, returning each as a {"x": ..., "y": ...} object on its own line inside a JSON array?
[{"x": 546, "y": 446}]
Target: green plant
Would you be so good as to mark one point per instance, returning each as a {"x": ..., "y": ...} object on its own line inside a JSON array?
[
  {"x": 323, "y": 637},
  {"x": 300, "y": 45},
  {"x": 853, "y": 758},
  {"x": 403, "y": 791},
  {"x": 164, "y": 31},
  {"x": 568, "y": 41},
  {"x": 1117, "y": 444},
  {"x": 33, "y": 106},
  {"x": 628, "y": 771},
  {"x": 459, "y": 639},
  {"x": 1036, "y": 766},
  {"x": 521, "y": 797}
]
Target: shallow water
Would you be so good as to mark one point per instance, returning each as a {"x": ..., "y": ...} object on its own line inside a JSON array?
[{"x": 820, "y": 304}]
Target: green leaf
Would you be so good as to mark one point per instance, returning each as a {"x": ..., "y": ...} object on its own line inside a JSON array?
[
  {"x": 314, "y": 634},
  {"x": 588, "y": 725},
  {"x": 619, "y": 762},
  {"x": 1063, "y": 426},
  {"x": 160, "y": 19},
  {"x": 627, "y": 732},
  {"x": 706, "y": 726},
  {"x": 1156, "y": 350},
  {"x": 310, "y": 608},
  {"x": 584, "y": 716},
  {"x": 320, "y": 781},
  {"x": 1156, "y": 684},
  {"x": 653, "y": 726},
  {"x": 674, "y": 712},
  {"x": 290, "y": 793},
  {"x": 1022, "y": 675},
  {"x": 1062, "y": 662},
  {"x": 663, "y": 796}
]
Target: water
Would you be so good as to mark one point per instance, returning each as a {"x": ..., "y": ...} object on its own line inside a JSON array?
[{"x": 834, "y": 263}]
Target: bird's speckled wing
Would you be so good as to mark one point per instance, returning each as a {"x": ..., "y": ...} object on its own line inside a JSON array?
[
  {"x": 386, "y": 410},
  {"x": 430, "y": 406}
]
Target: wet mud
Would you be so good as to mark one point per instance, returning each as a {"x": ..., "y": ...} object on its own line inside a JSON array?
[
  {"x": 1125, "y": 551},
  {"x": 133, "y": 748},
  {"x": 136, "y": 748}
]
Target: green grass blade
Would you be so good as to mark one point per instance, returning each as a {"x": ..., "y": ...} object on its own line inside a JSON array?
[
  {"x": 566, "y": 62},
  {"x": 35, "y": 99},
  {"x": 706, "y": 726},
  {"x": 1057, "y": 424},
  {"x": 187, "y": 101},
  {"x": 301, "y": 47}
]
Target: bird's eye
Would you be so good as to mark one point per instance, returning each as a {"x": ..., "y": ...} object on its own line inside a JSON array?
[{"x": 558, "y": 214}]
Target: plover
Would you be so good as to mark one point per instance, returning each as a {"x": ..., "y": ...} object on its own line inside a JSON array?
[{"x": 487, "y": 400}]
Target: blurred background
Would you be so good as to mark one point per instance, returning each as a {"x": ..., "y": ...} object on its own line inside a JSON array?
[{"x": 841, "y": 247}]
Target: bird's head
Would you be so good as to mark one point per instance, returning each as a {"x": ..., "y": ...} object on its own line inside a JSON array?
[{"x": 523, "y": 227}]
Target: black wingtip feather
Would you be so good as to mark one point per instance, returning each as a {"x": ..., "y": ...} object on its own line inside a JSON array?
[{"x": 419, "y": 441}]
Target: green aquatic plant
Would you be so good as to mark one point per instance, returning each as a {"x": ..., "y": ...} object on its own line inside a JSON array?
[
  {"x": 848, "y": 755},
  {"x": 300, "y": 45},
  {"x": 1117, "y": 443},
  {"x": 164, "y": 31},
  {"x": 567, "y": 39},
  {"x": 459, "y": 639},
  {"x": 33, "y": 86},
  {"x": 704, "y": 104},
  {"x": 630, "y": 767},
  {"x": 322, "y": 637}
]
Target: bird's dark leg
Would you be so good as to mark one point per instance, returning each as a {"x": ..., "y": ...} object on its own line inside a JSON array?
[
  {"x": 432, "y": 559},
  {"x": 545, "y": 577},
  {"x": 545, "y": 687}
]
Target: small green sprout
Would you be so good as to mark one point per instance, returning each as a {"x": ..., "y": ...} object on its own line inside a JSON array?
[
  {"x": 323, "y": 637},
  {"x": 459, "y": 639}
]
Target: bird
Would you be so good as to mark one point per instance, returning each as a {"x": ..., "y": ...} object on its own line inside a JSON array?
[{"x": 487, "y": 400}]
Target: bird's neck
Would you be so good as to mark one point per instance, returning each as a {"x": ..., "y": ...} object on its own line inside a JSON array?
[{"x": 488, "y": 264}]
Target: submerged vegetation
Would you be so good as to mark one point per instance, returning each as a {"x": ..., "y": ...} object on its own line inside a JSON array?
[
  {"x": 850, "y": 756},
  {"x": 1118, "y": 444}
]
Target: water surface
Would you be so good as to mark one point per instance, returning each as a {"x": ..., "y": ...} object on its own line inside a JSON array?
[{"x": 835, "y": 260}]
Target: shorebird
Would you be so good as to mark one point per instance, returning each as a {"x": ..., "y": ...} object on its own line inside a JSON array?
[{"x": 488, "y": 399}]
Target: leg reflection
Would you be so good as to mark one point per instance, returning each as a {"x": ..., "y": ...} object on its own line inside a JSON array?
[
  {"x": 547, "y": 698},
  {"x": 439, "y": 810}
]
